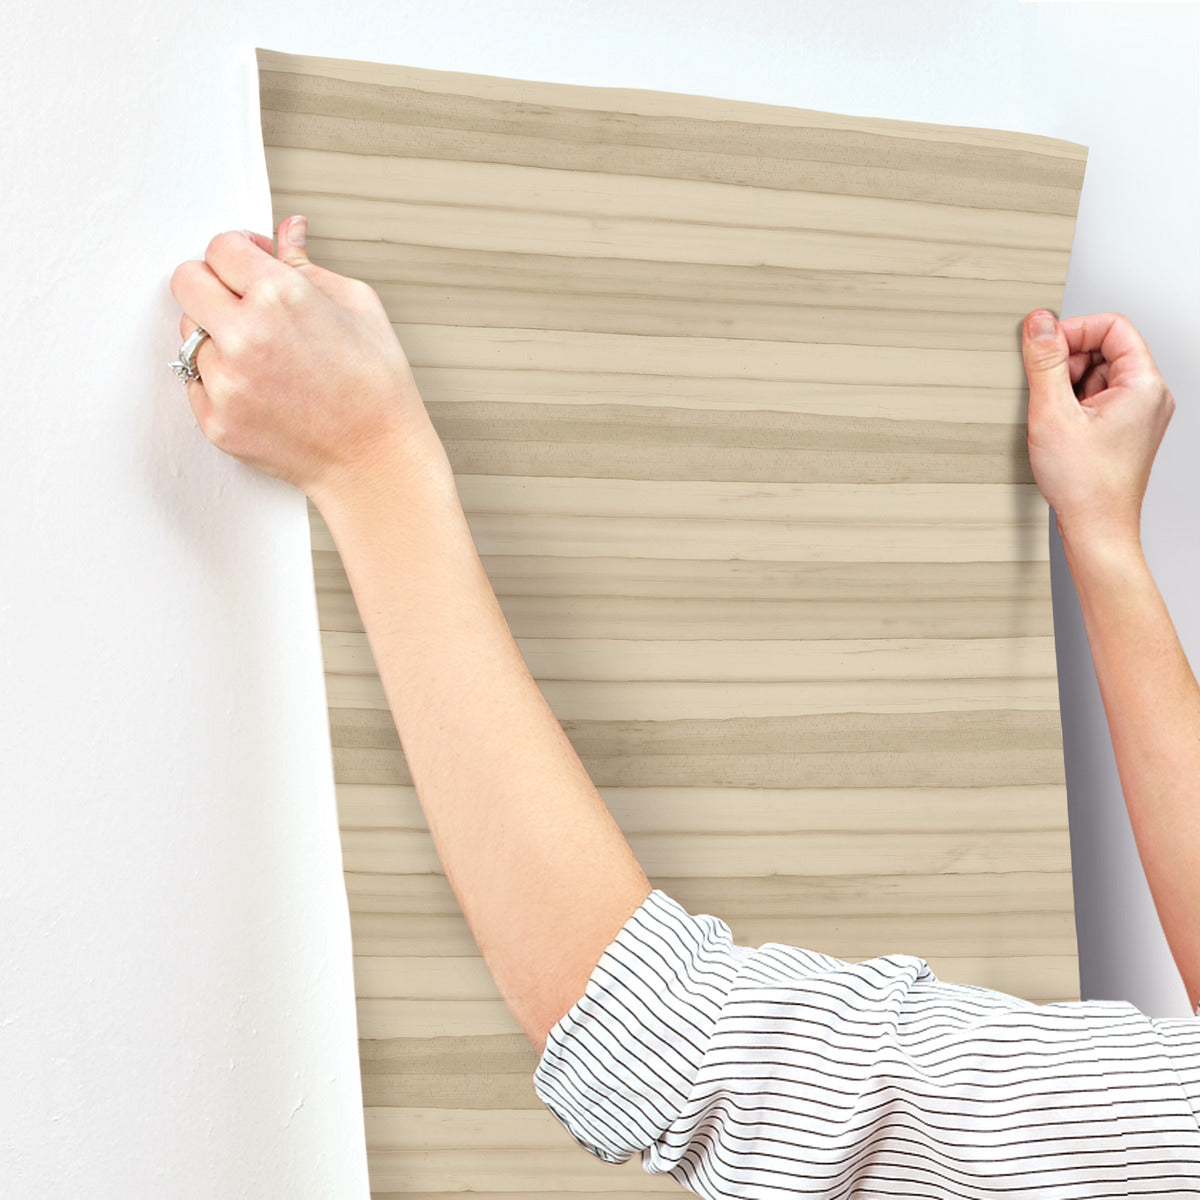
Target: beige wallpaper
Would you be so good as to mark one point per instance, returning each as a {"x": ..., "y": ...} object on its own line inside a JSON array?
[{"x": 734, "y": 398}]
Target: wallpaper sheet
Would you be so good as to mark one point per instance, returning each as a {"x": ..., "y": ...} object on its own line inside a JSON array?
[{"x": 734, "y": 398}]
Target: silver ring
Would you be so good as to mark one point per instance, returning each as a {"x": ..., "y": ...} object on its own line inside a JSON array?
[{"x": 185, "y": 366}]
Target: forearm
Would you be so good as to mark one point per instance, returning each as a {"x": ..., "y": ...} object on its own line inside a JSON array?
[
  {"x": 1152, "y": 703},
  {"x": 543, "y": 875}
]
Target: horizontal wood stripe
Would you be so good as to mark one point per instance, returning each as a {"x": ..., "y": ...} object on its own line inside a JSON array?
[
  {"x": 442, "y": 959},
  {"x": 649, "y": 103},
  {"x": 740, "y": 855},
  {"x": 458, "y": 1171},
  {"x": 937, "y": 937},
  {"x": 757, "y": 661},
  {"x": 581, "y": 701},
  {"x": 967, "y": 748},
  {"x": 647, "y": 599},
  {"x": 426, "y": 343},
  {"x": 909, "y": 527},
  {"x": 602, "y": 197},
  {"x": 577, "y": 240},
  {"x": 448, "y": 385},
  {"x": 664, "y": 1187},
  {"x": 656, "y": 617},
  {"x": 380, "y": 119},
  {"x": 760, "y": 810},
  {"x": 734, "y": 401},
  {"x": 882, "y": 505},
  {"x": 1039, "y": 978},
  {"x": 771, "y": 896}
]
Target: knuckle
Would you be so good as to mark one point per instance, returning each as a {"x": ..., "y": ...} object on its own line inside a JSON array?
[
  {"x": 234, "y": 343},
  {"x": 214, "y": 429},
  {"x": 180, "y": 276},
  {"x": 1042, "y": 356},
  {"x": 1129, "y": 328},
  {"x": 278, "y": 289},
  {"x": 216, "y": 242},
  {"x": 1148, "y": 381},
  {"x": 260, "y": 290},
  {"x": 371, "y": 301},
  {"x": 266, "y": 290},
  {"x": 292, "y": 288}
]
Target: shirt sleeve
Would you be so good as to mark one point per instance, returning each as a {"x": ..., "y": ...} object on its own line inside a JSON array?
[{"x": 775, "y": 1070}]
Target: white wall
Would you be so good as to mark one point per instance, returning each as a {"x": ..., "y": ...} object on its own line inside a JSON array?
[
  {"x": 1124, "y": 79},
  {"x": 176, "y": 998}
]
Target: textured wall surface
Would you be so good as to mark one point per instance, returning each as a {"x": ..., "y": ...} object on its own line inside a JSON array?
[{"x": 734, "y": 399}]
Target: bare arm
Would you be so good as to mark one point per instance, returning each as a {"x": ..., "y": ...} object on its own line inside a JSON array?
[
  {"x": 303, "y": 378},
  {"x": 542, "y": 872},
  {"x": 1152, "y": 703},
  {"x": 1098, "y": 410}
]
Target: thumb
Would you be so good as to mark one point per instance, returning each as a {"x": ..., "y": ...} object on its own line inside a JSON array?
[
  {"x": 1047, "y": 355},
  {"x": 291, "y": 238}
]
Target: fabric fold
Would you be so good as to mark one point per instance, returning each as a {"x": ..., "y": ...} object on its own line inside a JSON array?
[
  {"x": 620, "y": 1064},
  {"x": 773, "y": 1070}
]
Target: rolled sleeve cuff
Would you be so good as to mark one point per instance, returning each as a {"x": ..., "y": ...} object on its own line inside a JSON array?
[{"x": 619, "y": 1065}]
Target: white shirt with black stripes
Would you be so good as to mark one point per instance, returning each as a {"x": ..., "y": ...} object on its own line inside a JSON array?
[{"x": 781, "y": 1072}]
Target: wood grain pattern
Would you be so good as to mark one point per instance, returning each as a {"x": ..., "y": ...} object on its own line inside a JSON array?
[{"x": 734, "y": 399}]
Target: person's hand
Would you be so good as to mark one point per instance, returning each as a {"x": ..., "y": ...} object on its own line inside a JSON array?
[
  {"x": 302, "y": 374},
  {"x": 1098, "y": 409}
]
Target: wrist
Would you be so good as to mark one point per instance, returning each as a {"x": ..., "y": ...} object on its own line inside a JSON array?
[
  {"x": 405, "y": 467},
  {"x": 1088, "y": 547}
]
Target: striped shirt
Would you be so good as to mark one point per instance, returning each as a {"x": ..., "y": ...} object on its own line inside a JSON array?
[{"x": 777, "y": 1071}]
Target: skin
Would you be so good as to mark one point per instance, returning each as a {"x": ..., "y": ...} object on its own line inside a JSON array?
[{"x": 304, "y": 379}]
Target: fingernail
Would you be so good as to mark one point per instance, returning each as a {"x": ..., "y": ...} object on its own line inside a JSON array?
[
  {"x": 1041, "y": 324},
  {"x": 297, "y": 227}
]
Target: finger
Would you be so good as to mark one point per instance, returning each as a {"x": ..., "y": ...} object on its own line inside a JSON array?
[
  {"x": 237, "y": 259},
  {"x": 203, "y": 296},
  {"x": 1044, "y": 350},
  {"x": 292, "y": 237},
  {"x": 1077, "y": 364},
  {"x": 186, "y": 328},
  {"x": 198, "y": 397},
  {"x": 1095, "y": 381},
  {"x": 262, "y": 240},
  {"x": 293, "y": 249},
  {"x": 1113, "y": 336},
  {"x": 1080, "y": 361}
]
